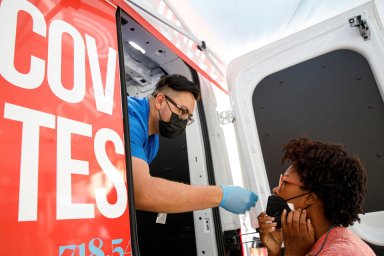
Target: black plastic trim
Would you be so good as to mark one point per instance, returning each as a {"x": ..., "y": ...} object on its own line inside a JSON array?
[{"x": 129, "y": 175}]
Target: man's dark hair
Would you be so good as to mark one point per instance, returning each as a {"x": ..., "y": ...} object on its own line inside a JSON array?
[
  {"x": 178, "y": 83},
  {"x": 335, "y": 177}
]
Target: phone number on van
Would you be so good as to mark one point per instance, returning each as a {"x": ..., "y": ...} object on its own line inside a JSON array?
[{"x": 95, "y": 248}]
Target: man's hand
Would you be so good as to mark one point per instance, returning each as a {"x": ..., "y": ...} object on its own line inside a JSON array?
[
  {"x": 298, "y": 232},
  {"x": 269, "y": 235},
  {"x": 237, "y": 199}
]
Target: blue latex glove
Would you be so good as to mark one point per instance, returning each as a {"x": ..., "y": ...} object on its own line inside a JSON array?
[{"x": 237, "y": 199}]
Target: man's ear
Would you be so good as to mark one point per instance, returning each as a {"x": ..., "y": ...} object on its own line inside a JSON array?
[{"x": 159, "y": 99}]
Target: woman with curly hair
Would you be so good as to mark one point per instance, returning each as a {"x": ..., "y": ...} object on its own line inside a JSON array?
[{"x": 326, "y": 188}]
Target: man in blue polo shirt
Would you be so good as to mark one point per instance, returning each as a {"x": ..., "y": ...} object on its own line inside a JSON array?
[{"x": 167, "y": 112}]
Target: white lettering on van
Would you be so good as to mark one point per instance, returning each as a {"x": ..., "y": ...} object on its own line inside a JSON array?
[
  {"x": 34, "y": 78},
  {"x": 104, "y": 101},
  {"x": 108, "y": 210},
  {"x": 56, "y": 31},
  {"x": 66, "y": 166},
  {"x": 31, "y": 120},
  {"x": 8, "y": 24}
]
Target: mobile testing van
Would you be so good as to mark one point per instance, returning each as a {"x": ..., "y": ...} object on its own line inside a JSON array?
[{"x": 66, "y": 68}]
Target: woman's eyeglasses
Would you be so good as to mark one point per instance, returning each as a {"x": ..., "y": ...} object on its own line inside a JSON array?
[{"x": 287, "y": 179}]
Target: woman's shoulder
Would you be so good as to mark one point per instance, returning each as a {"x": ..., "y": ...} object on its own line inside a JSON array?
[{"x": 342, "y": 241}]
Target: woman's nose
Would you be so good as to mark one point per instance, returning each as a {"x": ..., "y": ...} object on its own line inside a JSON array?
[{"x": 275, "y": 190}]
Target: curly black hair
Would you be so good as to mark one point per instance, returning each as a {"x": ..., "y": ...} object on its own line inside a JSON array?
[{"x": 327, "y": 170}]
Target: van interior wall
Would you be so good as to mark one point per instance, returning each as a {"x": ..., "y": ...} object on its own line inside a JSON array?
[{"x": 146, "y": 59}]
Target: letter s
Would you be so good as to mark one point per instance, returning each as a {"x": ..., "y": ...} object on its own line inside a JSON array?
[{"x": 108, "y": 210}]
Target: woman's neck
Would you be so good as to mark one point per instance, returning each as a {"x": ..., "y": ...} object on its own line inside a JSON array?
[{"x": 321, "y": 226}]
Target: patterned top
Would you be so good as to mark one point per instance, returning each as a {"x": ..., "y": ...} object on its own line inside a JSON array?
[{"x": 340, "y": 241}]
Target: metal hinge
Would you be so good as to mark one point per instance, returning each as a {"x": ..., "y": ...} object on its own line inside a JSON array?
[
  {"x": 362, "y": 25},
  {"x": 226, "y": 117}
]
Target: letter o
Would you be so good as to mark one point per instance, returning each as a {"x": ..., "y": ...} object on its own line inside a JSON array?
[{"x": 56, "y": 31}]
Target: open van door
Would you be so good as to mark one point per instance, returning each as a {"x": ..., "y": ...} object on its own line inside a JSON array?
[{"x": 325, "y": 82}]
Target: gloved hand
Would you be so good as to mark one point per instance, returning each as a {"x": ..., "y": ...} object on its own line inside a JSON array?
[{"x": 237, "y": 199}]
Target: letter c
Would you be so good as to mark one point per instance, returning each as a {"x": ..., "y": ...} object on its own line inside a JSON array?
[{"x": 8, "y": 25}]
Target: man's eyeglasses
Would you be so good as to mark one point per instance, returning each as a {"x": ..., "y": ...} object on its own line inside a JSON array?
[
  {"x": 183, "y": 111},
  {"x": 285, "y": 179}
]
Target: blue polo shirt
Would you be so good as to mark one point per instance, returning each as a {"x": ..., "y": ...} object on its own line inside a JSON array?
[{"x": 142, "y": 146}]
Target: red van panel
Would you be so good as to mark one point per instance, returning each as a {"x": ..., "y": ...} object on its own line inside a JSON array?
[{"x": 62, "y": 160}]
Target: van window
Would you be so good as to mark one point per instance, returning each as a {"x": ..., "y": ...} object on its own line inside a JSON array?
[{"x": 333, "y": 97}]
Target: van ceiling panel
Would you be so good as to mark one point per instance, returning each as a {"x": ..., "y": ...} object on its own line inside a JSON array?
[
  {"x": 143, "y": 70},
  {"x": 334, "y": 98},
  {"x": 154, "y": 49}
]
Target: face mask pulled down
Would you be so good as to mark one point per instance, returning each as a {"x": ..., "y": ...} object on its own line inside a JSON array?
[
  {"x": 276, "y": 206},
  {"x": 173, "y": 128}
]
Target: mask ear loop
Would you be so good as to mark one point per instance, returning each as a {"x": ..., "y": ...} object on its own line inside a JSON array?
[
  {"x": 168, "y": 105},
  {"x": 297, "y": 196},
  {"x": 300, "y": 196},
  {"x": 158, "y": 111}
]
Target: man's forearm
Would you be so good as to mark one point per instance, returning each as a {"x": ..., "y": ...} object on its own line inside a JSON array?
[{"x": 162, "y": 195}]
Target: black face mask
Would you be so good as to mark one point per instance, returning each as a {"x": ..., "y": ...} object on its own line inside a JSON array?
[
  {"x": 276, "y": 206},
  {"x": 173, "y": 128}
]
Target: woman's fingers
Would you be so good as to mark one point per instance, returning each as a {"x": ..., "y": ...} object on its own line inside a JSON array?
[
  {"x": 303, "y": 221},
  {"x": 263, "y": 218},
  {"x": 266, "y": 223}
]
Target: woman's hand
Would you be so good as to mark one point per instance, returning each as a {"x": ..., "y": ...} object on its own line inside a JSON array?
[
  {"x": 269, "y": 235},
  {"x": 298, "y": 232}
]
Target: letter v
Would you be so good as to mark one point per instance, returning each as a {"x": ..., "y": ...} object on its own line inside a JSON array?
[{"x": 104, "y": 101}]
